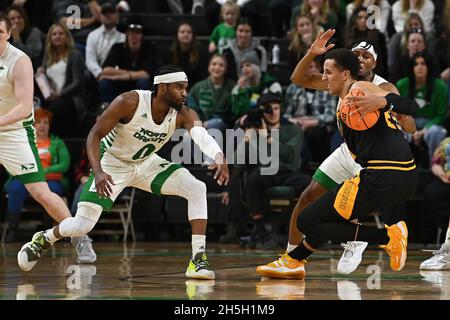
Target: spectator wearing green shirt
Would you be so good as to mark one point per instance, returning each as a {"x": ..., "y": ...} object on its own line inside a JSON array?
[
  {"x": 431, "y": 94},
  {"x": 211, "y": 96},
  {"x": 227, "y": 29}
]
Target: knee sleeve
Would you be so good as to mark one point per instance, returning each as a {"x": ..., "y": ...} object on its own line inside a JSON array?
[
  {"x": 194, "y": 191},
  {"x": 83, "y": 222}
]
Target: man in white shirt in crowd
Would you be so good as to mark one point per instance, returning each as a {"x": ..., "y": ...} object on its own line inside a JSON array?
[{"x": 100, "y": 41}]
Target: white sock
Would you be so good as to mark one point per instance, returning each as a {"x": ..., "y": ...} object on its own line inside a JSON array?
[
  {"x": 198, "y": 244},
  {"x": 447, "y": 237},
  {"x": 50, "y": 236},
  {"x": 291, "y": 247}
]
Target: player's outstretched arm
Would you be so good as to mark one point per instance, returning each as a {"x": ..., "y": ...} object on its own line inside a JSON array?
[
  {"x": 22, "y": 75},
  {"x": 300, "y": 76},
  {"x": 191, "y": 121},
  {"x": 120, "y": 110}
]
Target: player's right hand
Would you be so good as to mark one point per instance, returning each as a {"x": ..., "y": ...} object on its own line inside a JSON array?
[
  {"x": 103, "y": 184},
  {"x": 319, "y": 45}
]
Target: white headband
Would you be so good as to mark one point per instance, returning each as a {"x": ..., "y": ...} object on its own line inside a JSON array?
[
  {"x": 363, "y": 45},
  {"x": 170, "y": 77}
]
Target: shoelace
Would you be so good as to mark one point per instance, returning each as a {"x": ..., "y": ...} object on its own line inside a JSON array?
[
  {"x": 36, "y": 247},
  {"x": 85, "y": 247},
  {"x": 348, "y": 249},
  {"x": 201, "y": 264}
]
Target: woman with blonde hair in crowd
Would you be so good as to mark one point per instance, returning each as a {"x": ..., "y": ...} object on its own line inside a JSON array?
[
  {"x": 320, "y": 12},
  {"x": 302, "y": 35},
  {"x": 63, "y": 66},
  {"x": 402, "y": 8},
  {"x": 398, "y": 42}
]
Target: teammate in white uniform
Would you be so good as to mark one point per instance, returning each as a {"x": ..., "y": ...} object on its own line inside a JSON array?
[
  {"x": 122, "y": 149},
  {"x": 18, "y": 149},
  {"x": 340, "y": 165}
]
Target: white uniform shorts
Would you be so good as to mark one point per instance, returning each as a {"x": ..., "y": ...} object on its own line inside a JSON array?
[
  {"x": 19, "y": 154},
  {"x": 338, "y": 167},
  {"x": 148, "y": 175}
]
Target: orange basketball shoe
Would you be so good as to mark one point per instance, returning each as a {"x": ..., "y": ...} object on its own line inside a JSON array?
[
  {"x": 284, "y": 267},
  {"x": 397, "y": 246}
]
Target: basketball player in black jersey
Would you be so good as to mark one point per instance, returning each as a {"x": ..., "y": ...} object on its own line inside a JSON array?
[{"x": 388, "y": 177}]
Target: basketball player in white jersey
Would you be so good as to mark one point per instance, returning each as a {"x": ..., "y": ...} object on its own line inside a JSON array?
[
  {"x": 18, "y": 150},
  {"x": 122, "y": 148},
  {"x": 340, "y": 165}
]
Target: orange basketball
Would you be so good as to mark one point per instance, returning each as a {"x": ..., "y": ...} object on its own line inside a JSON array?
[{"x": 355, "y": 121}]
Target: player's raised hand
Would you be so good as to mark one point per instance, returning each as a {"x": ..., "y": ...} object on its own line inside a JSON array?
[
  {"x": 319, "y": 46},
  {"x": 222, "y": 175},
  {"x": 103, "y": 184}
]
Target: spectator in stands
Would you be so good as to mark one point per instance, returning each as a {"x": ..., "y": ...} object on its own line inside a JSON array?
[
  {"x": 415, "y": 42},
  {"x": 357, "y": 31},
  {"x": 63, "y": 66},
  {"x": 185, "y": 52},
  {"x": 249, "y": 8},
  {"x": 303, "y": 34},
  {"x": 257, "y": 183},
  {"x": 402, "y": 8},
  {"x": 39, "y": 12},
  {"x": 100, "y": 41},
  {"x": 398, "y": 41},
  {"x": 211, "y": 98},
  {"x": 320, "y": 12},
  {"x": 128, "y": 65},
  {"x": 252, "y": 83},
  {"x": 236, "y": 48},
  {"x": 385, "y": 7},
  {"x": 80, "y": 26},
  {"x": 225, "y": 30},
  {"x": 437, "y": 198},
  {"x": 23, "y": 36},
  {"x": 55, "y": 161},
  {"x": 431, "y": 94},
  {"x": 314, "y": 111}
]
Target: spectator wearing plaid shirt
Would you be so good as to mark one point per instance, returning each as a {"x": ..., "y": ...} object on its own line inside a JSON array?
[{"x": 315, "y": 112}]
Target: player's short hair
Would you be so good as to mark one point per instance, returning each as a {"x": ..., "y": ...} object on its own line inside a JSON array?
[
  {"x": 4, "y": 18},
  {"x": 345, "y": 60},
  {"x": 168, "y": 68}
]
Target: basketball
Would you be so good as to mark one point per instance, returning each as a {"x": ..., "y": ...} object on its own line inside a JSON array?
[{"x": 355, "y": 121}]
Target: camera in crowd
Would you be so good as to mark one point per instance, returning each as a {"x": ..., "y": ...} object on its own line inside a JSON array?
[{"x": 254, "y": 117}]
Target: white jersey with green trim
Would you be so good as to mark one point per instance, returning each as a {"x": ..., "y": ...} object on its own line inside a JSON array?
[
  {"x": 141, "y": 137},
  {"x": 7, "y": 89}
]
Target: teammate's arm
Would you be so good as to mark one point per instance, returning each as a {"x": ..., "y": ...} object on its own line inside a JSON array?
[
  {"x": 120, "y": 110},
  {"x": 300, "y": 76},
  {"x": 191, "y": 121},
  {"x": 407, "y": 123},
  {"x": 22, "y": 75}
]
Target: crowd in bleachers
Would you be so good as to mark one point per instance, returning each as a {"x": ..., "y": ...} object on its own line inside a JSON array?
[{"x": 83, "y": 58}]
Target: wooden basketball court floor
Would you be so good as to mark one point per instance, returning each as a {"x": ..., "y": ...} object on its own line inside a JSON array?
[{"x": 156, "y": 271}]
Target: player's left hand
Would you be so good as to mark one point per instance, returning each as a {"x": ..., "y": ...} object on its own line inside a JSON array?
[
  {"x": 222, "y": 176},
  {"x": 367, "y": 103}
]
